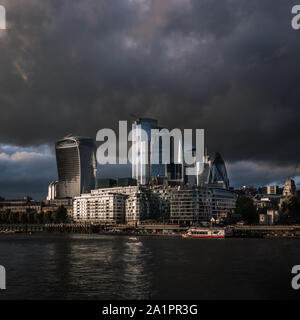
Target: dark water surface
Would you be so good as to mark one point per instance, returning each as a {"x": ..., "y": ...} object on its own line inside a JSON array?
[{"x": 118, "y": 267}]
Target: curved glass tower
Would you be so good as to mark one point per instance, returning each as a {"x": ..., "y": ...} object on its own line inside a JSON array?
[
  {"x": 76, "y": 166},
  {"x": 219, "y": 172}
]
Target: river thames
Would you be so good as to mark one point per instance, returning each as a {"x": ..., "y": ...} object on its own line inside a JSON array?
[{"x": 46, "y": 266}]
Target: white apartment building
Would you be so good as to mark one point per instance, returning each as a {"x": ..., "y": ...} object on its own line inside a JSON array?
[
  {"x": 107, "y": 208},
  {"x": 135, "y": 204}
]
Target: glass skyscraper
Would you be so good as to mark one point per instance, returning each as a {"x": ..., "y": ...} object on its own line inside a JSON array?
[
  {"x": 219, "y": 172},
  {"x": 142, "y": 168},
  {"x": 214, "y": 174},
  {"x": 76, "y": 165}
]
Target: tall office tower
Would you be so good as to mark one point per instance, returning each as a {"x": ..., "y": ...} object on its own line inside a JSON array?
[
  {"x": 142, "y": 169},
  {"x": 190, "y": 178},
  {"x": 218, "y": 172},
  {"x": 144, "y": 150},
  {"x": 203, "y": 178},
  {"x": 76, "y": 165},
  {"x": 175, "y": 171},
  {"x": 289, "y": 188}
]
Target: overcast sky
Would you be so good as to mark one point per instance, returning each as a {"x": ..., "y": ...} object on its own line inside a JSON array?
[{"x": 76, "y": 66}]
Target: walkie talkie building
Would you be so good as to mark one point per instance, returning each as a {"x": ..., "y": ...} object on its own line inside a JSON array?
[{"x": 76, "y": 165}]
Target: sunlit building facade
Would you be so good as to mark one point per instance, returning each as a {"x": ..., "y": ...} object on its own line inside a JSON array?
[
  {"x": 146, "y": 147},
  {"x": 289, "y": 188},
  {"x": 142, "y": 168},
  {"x": 52, "y": 191}
]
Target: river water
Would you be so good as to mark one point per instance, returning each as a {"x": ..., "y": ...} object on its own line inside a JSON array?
[{"x": 119, "y": 267}]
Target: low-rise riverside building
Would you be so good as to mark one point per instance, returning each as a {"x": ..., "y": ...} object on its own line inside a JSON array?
[
  {"x": 191, "y": 205},
  {"x": 165, "y": 204},
  {"x": 223, "y": 202},
  {"x": 28, "y": 205},
  {"x": 107, "y": 208}
]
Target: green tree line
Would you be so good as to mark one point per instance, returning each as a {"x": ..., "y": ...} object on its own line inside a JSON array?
[
  {"x": 290, "y": 210},
  {"x": 57, "y": 216}
]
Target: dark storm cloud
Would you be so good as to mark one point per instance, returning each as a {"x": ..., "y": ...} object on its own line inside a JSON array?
[
  {"x": 26, "y": 171},
  {"x": 260, "y": 173},
  {"x": 230, "y": 67}
]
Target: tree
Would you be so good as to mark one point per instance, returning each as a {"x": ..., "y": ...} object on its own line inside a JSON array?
[
  {"x": 48, "y": 217},
  {"x": 291, "y": 209},
  {"x": 22, "y": 218},
  {"x": 54, "y": 217},
  {"x": 246, "y": 208},
  {"x": 61, "y": 214},
  {"x": 39, "y": 218}
]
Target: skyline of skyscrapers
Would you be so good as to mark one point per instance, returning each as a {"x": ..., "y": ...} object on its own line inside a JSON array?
[{"x": 77, "y": 166}]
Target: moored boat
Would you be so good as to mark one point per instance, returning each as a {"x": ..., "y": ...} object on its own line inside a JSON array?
[{"x": 217, "y": 233}]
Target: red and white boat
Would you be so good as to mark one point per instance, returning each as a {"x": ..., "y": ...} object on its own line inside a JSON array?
[{"x": 217, "y": 233}]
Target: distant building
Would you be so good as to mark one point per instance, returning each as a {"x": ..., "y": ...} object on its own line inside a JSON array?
[
  {"x": 126, "y": 182},
  {"x": 267, "y": 201},
  {"x": 270, "y": 218},
  {"x": 214, "y": 174},
  {"x": 289, "y": 188},
  {"x": 223, "y": 202},
  {"x": 27, "y": 205},
  {"x": 204, "y": 178},
  {"x": 272, "y": 189},
  {"x": 143, "y": 170},
  {"x": 106, "y": 183},
  {"x": 76, "y": 165},
  {"x": 219, "y": 173},
  {"x": 52, "y": 205},
  {"x": 247, "y": 190},
  {"x": 262, "y": 190},
  {"x": 53, "y": 191}
]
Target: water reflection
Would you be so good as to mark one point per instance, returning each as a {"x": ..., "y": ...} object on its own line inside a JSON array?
[
  {"x": 107, "y": 267},
  {"x": 111, "y": 267}
]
